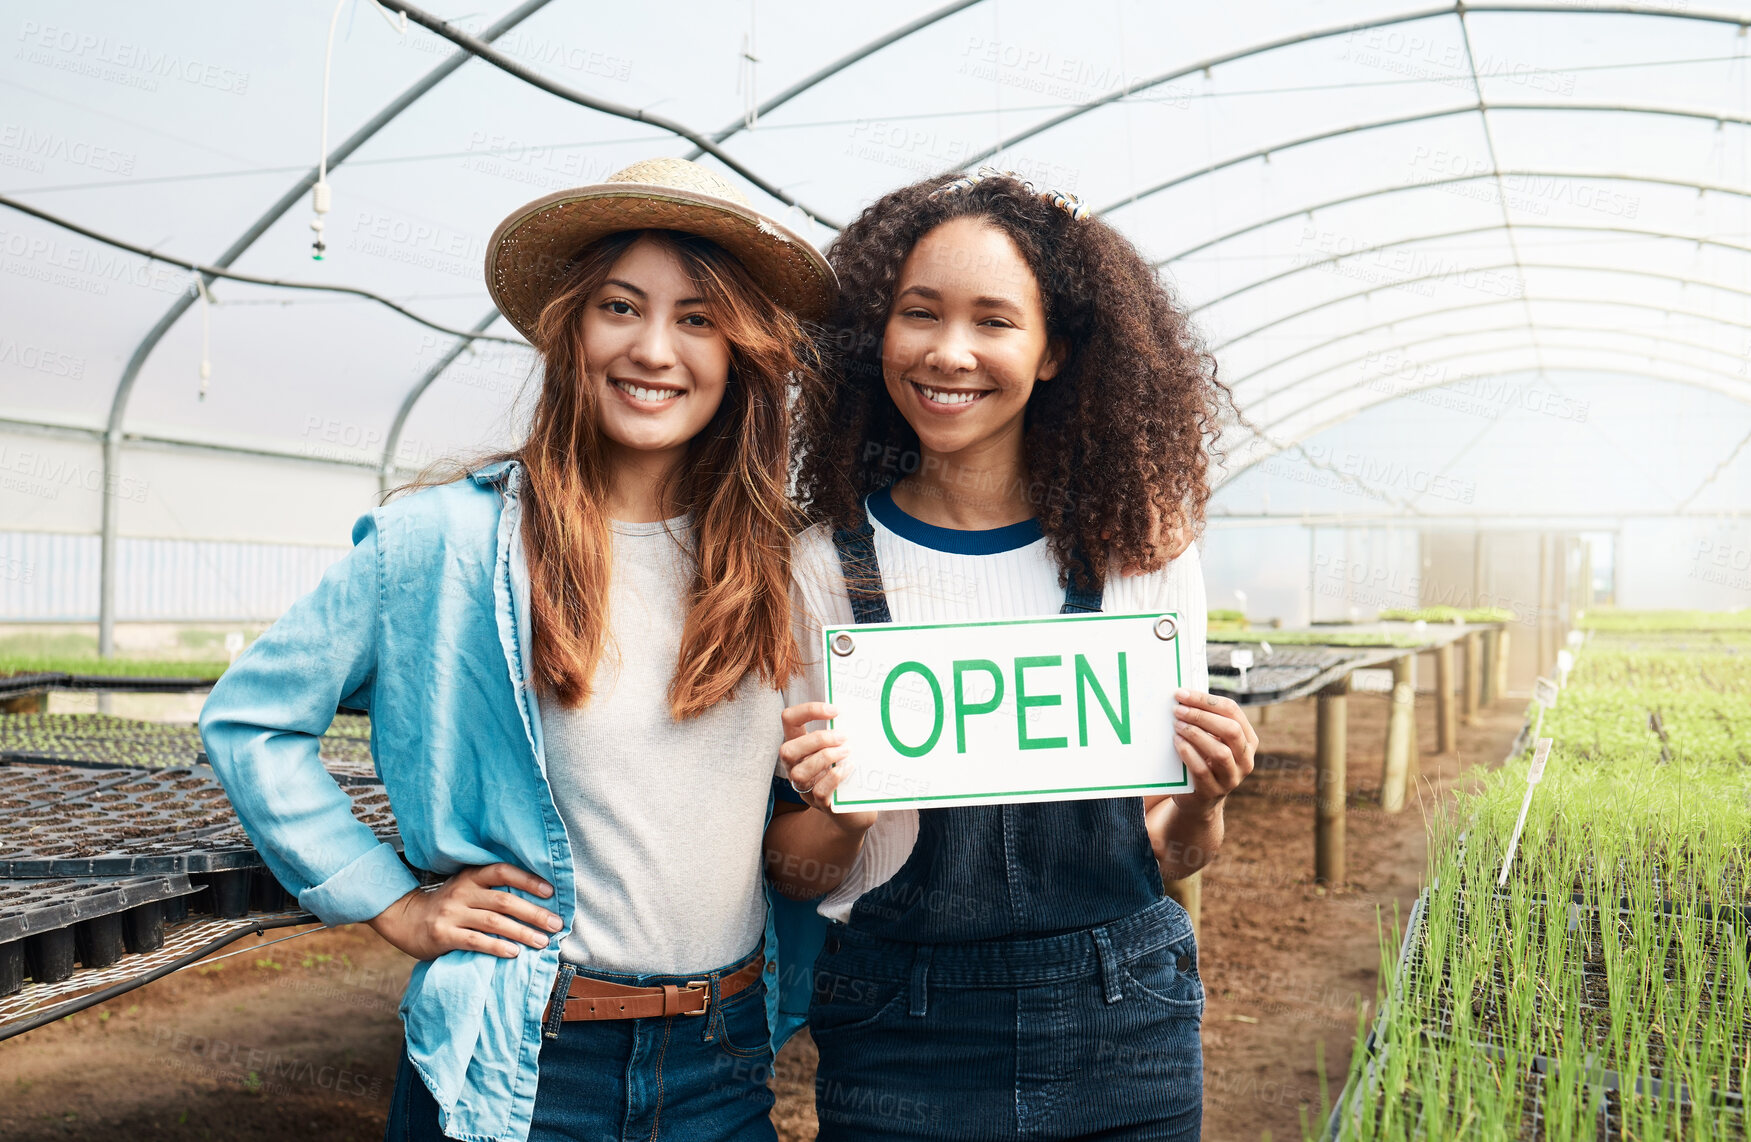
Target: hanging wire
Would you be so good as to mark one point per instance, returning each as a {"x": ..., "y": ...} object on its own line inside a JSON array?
[
  {"x": 320, "y": 197},
  {"x": 206, "y": 330},
  {"x": 745, "y": 85}
]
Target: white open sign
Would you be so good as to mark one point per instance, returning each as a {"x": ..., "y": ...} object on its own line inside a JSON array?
[{"x": 1049, "y": 709}]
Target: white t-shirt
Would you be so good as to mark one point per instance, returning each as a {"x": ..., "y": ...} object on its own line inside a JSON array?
[
  {"x": 935, "y": 574},
  {"x": 665, "y": 818}
]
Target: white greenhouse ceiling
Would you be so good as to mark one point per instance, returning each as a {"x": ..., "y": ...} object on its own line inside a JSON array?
[{"x": 1358, "y": 200}]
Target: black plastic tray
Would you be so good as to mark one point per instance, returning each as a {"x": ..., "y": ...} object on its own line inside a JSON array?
[
  {"x": 29, "y": 907},
  {"x": 80, "y": 821}
]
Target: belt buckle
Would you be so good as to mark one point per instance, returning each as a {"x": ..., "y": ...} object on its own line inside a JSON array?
[{"x": 705, "y": 986}]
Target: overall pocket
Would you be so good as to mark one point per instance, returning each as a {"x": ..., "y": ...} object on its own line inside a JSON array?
[
  {"x": 842, "y": 1001},
  {"x": 1168, "y": 976}
]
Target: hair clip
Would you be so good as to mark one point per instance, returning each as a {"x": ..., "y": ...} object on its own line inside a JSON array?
[{"x": 1068, "y": 203}]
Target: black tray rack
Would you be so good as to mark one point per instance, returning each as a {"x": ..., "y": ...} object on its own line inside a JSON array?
[{"x": 46, "y": 925}]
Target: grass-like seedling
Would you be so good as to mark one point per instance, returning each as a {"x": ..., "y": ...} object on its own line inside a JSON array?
[
  {"x": 14, "y": 664},
  {"x": 1450, "y": 614},
  {"x": 1604, "y": 992}
]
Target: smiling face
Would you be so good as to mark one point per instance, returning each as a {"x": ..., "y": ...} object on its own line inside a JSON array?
[
  {"x": 654, "y": 353},
  {"x": 966, "y": 338}
]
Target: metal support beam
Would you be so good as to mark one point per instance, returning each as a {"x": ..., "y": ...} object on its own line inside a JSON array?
[{"x": 118, "y": 409}]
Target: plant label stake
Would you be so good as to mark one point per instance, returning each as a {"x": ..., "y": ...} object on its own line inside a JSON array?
[
  {"x": 1533, "y": 777},
  {"x": 1544, "y": 692},
  {"x": 1241, "y": 660},
  {"x": 1576, "y": 638},
  {"x": 1565, "y": 662}
]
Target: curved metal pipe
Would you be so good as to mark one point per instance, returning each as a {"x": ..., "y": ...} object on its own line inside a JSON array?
[
  {"x": 1444, "y": 310},
  {"x": 1257, "y": 329},
  {"x": 392, "y": 444},
  {"x": 112, "y": 440},
  {"x": 1518, "y": 327},
  {"x": 838, "y": 66},
  {"x": 1402, "y": 188},
  {"x": 1422, "y": 117},
  {"x": 488, "y": 54},
  {"x": 1455, "y": 9},
  {"x": 1272, "y": 448}
]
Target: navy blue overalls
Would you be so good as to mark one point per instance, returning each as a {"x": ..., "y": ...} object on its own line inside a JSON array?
[{"x": 1022, "y": 975}]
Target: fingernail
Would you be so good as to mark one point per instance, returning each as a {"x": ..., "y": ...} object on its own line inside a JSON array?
[
  {"x": 553, "y": 923},
  {"x": 547, "y": 890},
  {"x": 1181, "y": 695}
]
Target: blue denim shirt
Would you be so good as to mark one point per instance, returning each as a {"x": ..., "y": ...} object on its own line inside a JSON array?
[{"x": 425, "y": 624}]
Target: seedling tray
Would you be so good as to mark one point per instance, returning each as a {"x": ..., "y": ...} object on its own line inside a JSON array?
[
  {"x": 185, "y": 943},
  {"x": 77, "y": 821},
  {"x": 46, "y": 926},
  {"x": 98, "y": 739}
]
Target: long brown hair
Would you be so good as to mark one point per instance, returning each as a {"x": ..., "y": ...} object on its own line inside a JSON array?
[
  {"x": 1116, "y": 444},
  {"x": 732, "y": 484}
]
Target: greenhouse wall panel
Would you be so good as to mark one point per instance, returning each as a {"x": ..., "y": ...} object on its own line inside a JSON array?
[{"x": 47, "y": 577}]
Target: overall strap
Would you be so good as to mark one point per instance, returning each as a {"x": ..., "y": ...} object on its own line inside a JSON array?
[
  {"x": 1078, "y": 601},
  {"x": 863, "y": 575}
]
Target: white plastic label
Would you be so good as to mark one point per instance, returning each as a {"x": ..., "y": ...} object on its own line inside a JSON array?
[
  {"x": 1048, "y": 709},
  {"x": 1540, "y": 754},
  {"x": 1240, "y": 659},
  {"x": 1576, "y": 638},
  {"x": 1544, "y": 692}
]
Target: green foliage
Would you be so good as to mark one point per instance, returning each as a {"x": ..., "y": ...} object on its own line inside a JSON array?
[
  {"x": 111, "y": 667},
  {"x": 1611, "y": 619},
  {"x": 1449, "y": 614},
  {"x": 1334, "y": 636},
  {"x": 1603, "y": 991}
]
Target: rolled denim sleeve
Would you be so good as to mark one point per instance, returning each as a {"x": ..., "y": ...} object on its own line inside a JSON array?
[{"x": 262, "y": 725}]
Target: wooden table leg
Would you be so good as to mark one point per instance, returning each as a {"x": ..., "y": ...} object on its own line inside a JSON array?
[
  {"x": 1401, "y": 734},
  {"x": 1446, "y": 715},
  {"x": 1328, "y": 819},
  {"x": 1189, "y": 893},
  {"x": 1502, "y": 662},
  {"x": 25, "y": 704},
  {"x": 1473, "y": 676},
  {"x": 1486, "y": 690}
]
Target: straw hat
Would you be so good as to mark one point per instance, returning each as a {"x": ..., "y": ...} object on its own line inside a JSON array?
[{"x": 528, "y": 254}]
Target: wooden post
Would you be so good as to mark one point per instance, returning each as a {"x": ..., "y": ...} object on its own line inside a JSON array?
[
  {"x": 1259, "y": 715},
  {"x": 1487, "y": 676},
  {"x": 1446, "y": 715},
  {"x": 1328, "y": 819},
  {"x": 1401, "y": 734},
  {"x": 1189, "y": 893},
  {"x": 1469, "y": 685},
  {"x": 1502, "y": 662}
]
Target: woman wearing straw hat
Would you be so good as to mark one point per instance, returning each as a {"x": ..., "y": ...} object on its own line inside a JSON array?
[{"x": 572, "y": 658}]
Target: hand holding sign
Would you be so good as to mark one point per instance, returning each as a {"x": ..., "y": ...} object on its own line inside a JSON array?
[
  {"x": 1217, "y": 744},
  {"x": 1004, "y": 711},
  {"x": 818, "y": 761}
]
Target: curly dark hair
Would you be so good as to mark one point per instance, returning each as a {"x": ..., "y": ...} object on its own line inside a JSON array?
[{"x": 1116, "y": 444}]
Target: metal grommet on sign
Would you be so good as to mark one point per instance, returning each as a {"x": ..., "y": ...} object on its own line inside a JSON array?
[
  {"x": 1166, "y": 629},
  {"x": 842, "y": 644}
]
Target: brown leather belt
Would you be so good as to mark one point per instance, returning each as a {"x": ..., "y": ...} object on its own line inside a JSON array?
[{"x": 599, "y": 999}]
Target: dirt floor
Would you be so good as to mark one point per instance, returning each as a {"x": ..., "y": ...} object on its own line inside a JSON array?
[{"x": 299, "y": 1041}]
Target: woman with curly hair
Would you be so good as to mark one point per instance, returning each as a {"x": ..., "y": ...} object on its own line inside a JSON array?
[{"x": 1017, "y": 428}]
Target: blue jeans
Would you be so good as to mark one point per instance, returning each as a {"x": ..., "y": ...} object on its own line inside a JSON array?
[
  {"x": 1089, "y": 1034},
  {"x": 660, "y": 1078}
]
